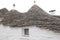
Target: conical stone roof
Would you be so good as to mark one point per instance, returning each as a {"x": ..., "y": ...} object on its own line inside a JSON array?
[
  {"x": 36, "y": 9},
  {"x": 35, "y": 16},
  {"x": 36, "y": 13},
  {"x": 2, "y": 12},
  {"x": 12, "y": 18}
]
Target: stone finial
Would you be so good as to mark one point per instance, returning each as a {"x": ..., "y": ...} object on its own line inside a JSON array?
[
  {"x": 34, "y": 1},
  {"x": 13, "y": 5}
]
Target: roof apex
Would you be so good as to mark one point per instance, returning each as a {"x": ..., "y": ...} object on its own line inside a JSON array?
[{"x": 34, "y": 7}]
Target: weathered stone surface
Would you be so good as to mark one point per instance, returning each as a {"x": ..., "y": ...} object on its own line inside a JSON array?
[{"x": 35, "y": 16}]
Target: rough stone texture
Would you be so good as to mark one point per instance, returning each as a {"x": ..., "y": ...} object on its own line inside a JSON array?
[
  {"x": 12, "y": 17},
  {"x": 35, "y": 16},
  {"x": 3, "y": 12}
]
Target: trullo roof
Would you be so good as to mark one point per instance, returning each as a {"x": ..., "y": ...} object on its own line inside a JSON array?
[{"x": 35, "y": 16}]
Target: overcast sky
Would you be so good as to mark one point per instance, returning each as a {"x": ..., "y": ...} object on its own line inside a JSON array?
[{"x": 25, "y": 5}]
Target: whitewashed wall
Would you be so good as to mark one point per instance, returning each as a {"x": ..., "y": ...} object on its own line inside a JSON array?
[{"x": 35, "y": 33}]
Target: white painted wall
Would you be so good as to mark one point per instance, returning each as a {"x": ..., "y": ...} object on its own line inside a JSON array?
[{"x": 35, "y": 33}]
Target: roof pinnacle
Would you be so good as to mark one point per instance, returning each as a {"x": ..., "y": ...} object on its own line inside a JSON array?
[{"x": 34, "y": 1}]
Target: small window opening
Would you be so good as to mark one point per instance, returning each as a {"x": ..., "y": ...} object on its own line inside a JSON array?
[{"x": 26, "y": 31}]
